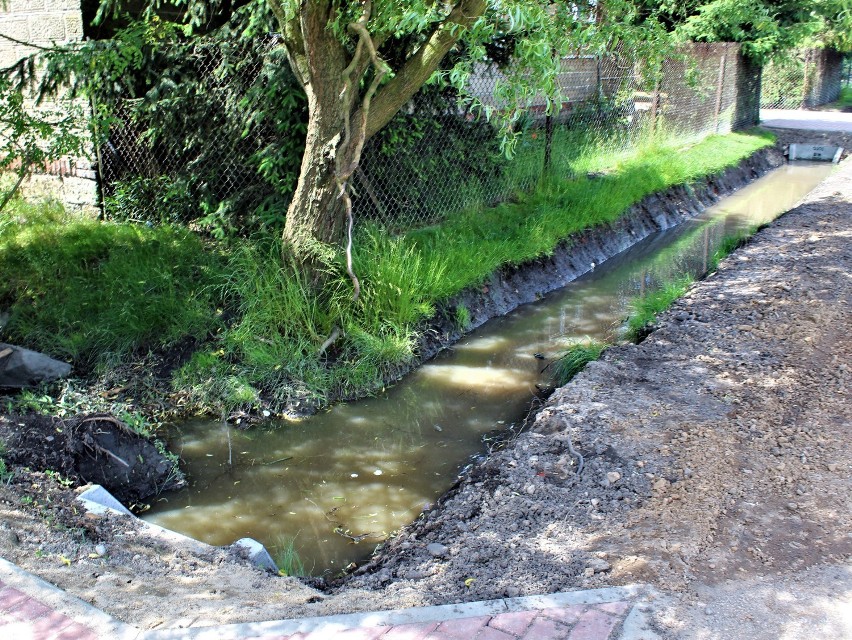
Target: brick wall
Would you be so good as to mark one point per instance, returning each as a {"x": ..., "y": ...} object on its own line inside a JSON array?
[{"x": 43, "y": 23}]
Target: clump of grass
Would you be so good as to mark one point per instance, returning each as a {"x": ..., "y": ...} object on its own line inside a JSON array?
[
  {"x": 287, "y": 558},
  {"x": 644, "y": 310},
  {"x": 461, "y": 318},
  {"x": 574, "y": 360},
  {"x": 6, "y": 475},
  {"x": 95, "y": 292}
]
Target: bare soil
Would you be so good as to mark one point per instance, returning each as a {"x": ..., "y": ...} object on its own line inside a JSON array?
[{"x": 716, "y": 466}]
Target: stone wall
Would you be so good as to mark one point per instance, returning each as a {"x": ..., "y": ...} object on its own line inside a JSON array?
[{"x": 25, "y": 25}]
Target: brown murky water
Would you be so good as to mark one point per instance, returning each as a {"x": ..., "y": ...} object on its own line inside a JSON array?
[{"x": 363, "y": 469}]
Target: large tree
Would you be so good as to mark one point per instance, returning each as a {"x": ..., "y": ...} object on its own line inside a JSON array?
[{"x": 340, "y": 52}]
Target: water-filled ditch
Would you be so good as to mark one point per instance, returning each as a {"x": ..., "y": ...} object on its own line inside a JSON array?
[{"x": 335, "y": 484}]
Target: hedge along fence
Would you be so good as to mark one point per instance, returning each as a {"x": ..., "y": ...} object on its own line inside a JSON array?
[
  {"x": 806, "y": 78},
  {"x": 223, "y": 150}
]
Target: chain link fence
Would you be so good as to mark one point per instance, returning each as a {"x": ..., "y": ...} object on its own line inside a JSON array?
[
  {"x": 807, "y": 78},
  {"x": 217, "y": 153}
]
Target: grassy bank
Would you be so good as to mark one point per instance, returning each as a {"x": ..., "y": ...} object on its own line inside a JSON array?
[{"x": 103, "y": 294}]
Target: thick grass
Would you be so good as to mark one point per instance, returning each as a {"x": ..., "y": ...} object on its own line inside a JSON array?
[
  {"x": 574, "y": 360},
  {"x": 94, "y": 292},
  {"x": 471, "y": 246}
]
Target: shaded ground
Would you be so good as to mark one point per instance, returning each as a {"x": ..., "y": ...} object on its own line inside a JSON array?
[{"x": 715, "y": 465}]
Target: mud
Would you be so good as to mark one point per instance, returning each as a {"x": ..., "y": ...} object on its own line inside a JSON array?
[{"x": 91, "y": 448}]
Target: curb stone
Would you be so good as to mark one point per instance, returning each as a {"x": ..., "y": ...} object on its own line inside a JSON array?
[{"x": 32, "y": 608}]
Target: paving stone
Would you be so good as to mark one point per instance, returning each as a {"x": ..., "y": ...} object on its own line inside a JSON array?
[
  {"x": 29, "y": 609},
  {"x": 49, "y": 625},
  {"x": 545, "y": 629},
  {"x": 75, "y": 631},
  {"x": 10, "y": 599},
  {"x": 489, "y": 633},
  {"x": 513, "y": 622},
  {"x": 463, "y": 628},
  {"x": 410, "y": 631},
  {"x": 568, "y": 615},
  {"x": 361, "y": 633},
  {"x": 593, "y": 625}
]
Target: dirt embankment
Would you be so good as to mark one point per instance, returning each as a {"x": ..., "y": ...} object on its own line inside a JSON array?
[{"x": 717, "y": 450}]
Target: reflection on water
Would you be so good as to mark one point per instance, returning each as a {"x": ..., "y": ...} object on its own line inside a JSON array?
[{"x": 363, "y": 469}]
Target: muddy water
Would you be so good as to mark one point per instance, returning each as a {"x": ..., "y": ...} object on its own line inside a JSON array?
[{"x": 335, "y": 484}]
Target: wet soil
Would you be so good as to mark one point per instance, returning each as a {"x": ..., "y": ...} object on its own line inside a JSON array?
[
  {"x": 90, "y": 448},
  {"x": 716, "y": 461}
]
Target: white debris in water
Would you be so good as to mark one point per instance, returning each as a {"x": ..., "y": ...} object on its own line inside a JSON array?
[
  {"x": 353, "y": 475},
  {"x": 377, "y": 472}
]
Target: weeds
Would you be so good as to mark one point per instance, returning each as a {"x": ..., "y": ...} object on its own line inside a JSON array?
[
  {"x": 286, "y": 557},
  {"x": 6, "y": 475},
  {"x": 574, "y": 360},
  {"x": 644, "y": 310},
  {"x": 98, "y": 292}
]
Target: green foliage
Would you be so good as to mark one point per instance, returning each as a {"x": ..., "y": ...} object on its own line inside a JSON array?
[
  {"x": 93, "y": 292},
  {"x": 574, "y": 360},
  {"x": 6, "y": 474},
  {"x": 160, "y": 199},
  {"x": 30, "y": 139},
  {"x": 101, "y": 291},
  {"x": 435, "y": 142},
  {"x": 462, "y": 318},
  {"x": 767, "y": 28},
  {"x": 782, "y": 83},
  {"x": 471, "y": 245}
]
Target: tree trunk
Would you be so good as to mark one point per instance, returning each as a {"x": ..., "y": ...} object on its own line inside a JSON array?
[
  {"x": 342, "y": 115},
  {"x": 316, "y": 215}
]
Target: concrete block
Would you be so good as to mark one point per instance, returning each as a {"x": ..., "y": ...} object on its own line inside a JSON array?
[
  {"x": 257, "y": 553},
  {"x": 18, "y": 28},
  {"x": 25, "y": 6},
  {"x": 47, "y": 28},
  {"x": 97, "y": 500},
  {"x": 62, "y": 5},
  {"x": 79, "y": 191}
]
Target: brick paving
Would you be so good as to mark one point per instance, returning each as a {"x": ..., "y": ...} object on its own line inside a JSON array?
[{"x": 25, "y": 617}]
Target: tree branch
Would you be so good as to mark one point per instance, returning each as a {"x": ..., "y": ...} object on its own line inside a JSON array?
[{"x": 417, "y": 70}]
